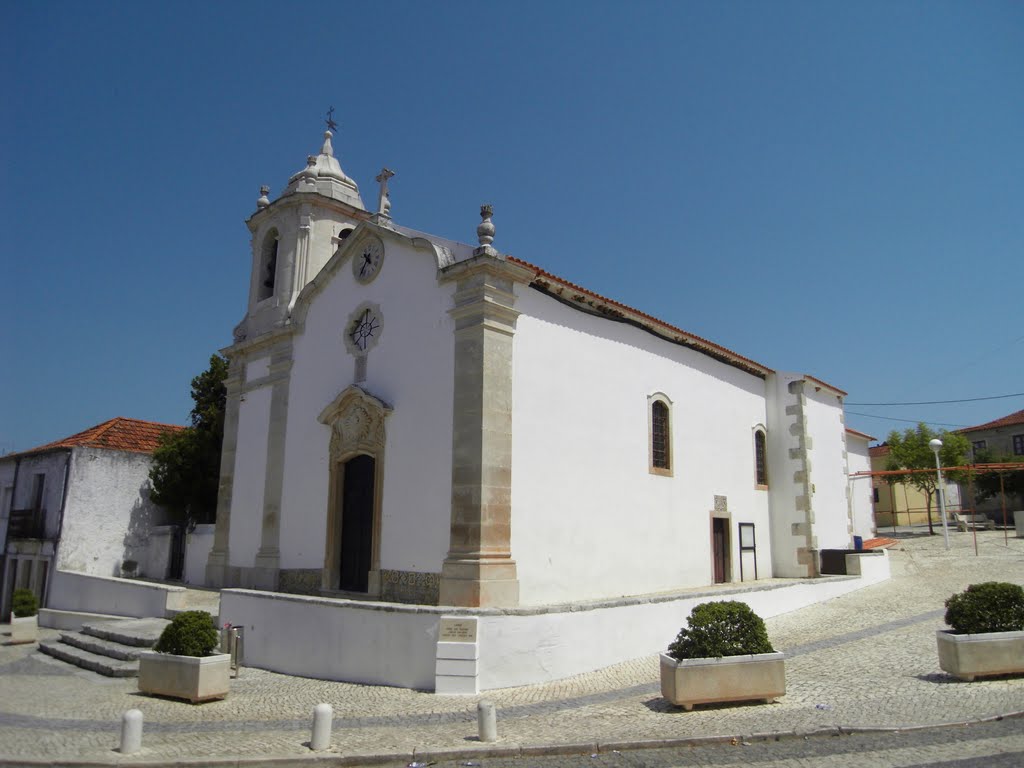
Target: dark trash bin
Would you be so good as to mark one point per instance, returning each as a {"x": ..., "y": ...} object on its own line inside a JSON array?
[{"x": 833, "y": 561}]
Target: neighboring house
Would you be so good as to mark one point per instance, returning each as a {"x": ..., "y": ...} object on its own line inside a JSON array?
[
  {"x": 417, "y": 420},
  {"x": 998, "y": 438},
  {"x": 77, "y": 504},
  {"x": 900, "y": 503},
  {"x": 862, "y": 502}
]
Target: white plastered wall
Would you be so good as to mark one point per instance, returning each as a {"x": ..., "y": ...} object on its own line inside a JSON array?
[
  {"x": 108, "y": 513},
  {"x": 824, "y": 419},
  {"x": 249, "y": 475},
  {"x": 588, "y": 518},
  {"x": 861, "y": 495},
  {"x": 410, "y": 369}
]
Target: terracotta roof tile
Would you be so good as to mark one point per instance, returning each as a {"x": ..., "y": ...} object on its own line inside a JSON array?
[
  {"x": 1006, "y": 421},
  {"x": 616, "y": 308},
  {"x": 881, "y": 542},
  {"x": 860, "y": 434},
  {"x": 119, "y": 434}
]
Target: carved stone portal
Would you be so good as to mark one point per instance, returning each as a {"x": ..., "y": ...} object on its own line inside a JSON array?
[{"x": 356, "y": 420}]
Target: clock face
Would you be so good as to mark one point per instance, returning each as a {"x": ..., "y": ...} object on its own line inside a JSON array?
[
  {"x": 367, "y": 260},
  {"x": 364, "y": 329}
]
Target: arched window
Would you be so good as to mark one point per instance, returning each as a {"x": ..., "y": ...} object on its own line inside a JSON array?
[
  {"x": 760, "y": 459},
  {"x": 660, "y": 434},
  {"x": 267, "y": 276}
]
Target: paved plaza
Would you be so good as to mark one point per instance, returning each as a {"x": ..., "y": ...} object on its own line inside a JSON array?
[{"x": 866, "y": 660}]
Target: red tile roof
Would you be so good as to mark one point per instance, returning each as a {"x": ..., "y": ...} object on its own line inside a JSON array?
[
  {"x": 882, "y": 542},
  {"x": 825, "y": 384},
  {"x": 860, "y": 434},
  {"x": 609, "y": 307},
  {"x": 1006, "y": 421},
  {"x": 118, "y": 434},
  {"x": 878, "y": 450}
]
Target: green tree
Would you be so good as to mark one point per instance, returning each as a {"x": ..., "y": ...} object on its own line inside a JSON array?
[
  {"x": 910, "y": 450},
  {"x": 989, "y": 485},
  {"x": 186, "y": 466}
]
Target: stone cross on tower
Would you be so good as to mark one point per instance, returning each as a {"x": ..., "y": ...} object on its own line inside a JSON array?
[
  {"x": 331, "y": 125},
  {"x": 384, "y": 200}
]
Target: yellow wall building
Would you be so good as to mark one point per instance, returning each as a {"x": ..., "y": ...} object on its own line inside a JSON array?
[{"x": 909, "y": 504}]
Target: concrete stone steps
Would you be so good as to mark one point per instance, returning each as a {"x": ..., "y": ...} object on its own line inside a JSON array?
[
  {"x": 88, "y": 660},
  {"x": 111, "y": 648},
  {"x": 100, "y": 646},
  {"x": 142, "y": 633}
]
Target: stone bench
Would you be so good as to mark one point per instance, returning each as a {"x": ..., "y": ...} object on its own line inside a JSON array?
[{"x": 966, "y": 522}]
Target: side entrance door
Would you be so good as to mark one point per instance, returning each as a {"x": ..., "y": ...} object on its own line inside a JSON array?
[{"x": 720, "y": 548}]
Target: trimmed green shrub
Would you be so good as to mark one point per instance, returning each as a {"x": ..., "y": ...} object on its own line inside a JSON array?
[
  {"x": 991, "y": 606},
  {"x": 191, "y": 633},
  {"x": 727, "y": 628},
  {"x": 24, "y": 603}
]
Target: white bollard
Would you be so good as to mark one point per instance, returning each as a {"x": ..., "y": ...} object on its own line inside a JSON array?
[
  {"x": 486, "y": 721},
  {"x": 131, "y": 732},
  {"x": 322, "y": 717}
]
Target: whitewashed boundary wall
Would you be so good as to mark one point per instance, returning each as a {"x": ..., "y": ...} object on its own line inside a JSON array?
[
  {"x": 391, "y": 644},
  {"x": 197, "y": 549},
  {"x": 71, "y": 591},
  {"x": 157, "y": 554},
  {"x": 330, "y": 639}
]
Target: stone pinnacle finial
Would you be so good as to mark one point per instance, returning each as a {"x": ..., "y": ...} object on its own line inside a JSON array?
[
  {"x": 263, "y": 200},
  {"x": 384, "y": 199},
  {"x": 485, "y": 229}
]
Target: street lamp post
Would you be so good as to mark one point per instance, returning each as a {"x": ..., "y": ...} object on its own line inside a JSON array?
[{"x": 936, "y": 446}]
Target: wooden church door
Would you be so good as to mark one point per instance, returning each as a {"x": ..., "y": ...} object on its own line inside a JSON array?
[{"x": 357, "y": 523}]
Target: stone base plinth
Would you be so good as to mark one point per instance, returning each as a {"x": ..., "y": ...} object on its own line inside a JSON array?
[{"x": 473, "y": 583}]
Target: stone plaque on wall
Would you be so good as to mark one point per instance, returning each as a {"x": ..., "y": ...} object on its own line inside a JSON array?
[
  {"x": 721, "y": 504},
  {"x": 457, "y": 630}
]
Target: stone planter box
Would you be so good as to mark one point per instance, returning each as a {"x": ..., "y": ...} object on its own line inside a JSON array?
[
  {"x": 24, "y": 629},
  {"x": 989, "y": 653},
  {"x": 193, "y": 678},
  {"x": 731, "y": 678}
]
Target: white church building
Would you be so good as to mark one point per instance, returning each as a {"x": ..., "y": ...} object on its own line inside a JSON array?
[{"x": 418, "y": 428}]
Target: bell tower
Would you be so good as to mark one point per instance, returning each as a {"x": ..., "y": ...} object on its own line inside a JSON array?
[
  {"x": 295, "y": 235},
  {"x": 292, "y": 238}
]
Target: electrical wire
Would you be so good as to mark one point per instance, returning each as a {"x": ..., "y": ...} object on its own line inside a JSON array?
[
  {"x": 909, "y": 421},
  {"x": 945, "y": 402}
]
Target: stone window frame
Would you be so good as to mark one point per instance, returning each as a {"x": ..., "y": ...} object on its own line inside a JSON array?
[
  {"x": 761, "y": 475},
  {"x": 653, "y": 400},
  {"x": 357, "y": 423},
  {"x": 270, "y": 249},
  {"x": 977, "y": 446}
]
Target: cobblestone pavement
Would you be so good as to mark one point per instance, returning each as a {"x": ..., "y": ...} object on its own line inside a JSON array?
[{"x": 862, "y": 661}]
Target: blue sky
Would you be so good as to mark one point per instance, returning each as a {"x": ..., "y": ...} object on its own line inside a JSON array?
[{"x": 833, "y": 188}]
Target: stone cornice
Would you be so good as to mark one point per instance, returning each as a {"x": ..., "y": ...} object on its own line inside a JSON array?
[
  {"x": 485, "y": 264},
  {"x": 296, "y": 199},
  {"x": 260, "y": 343}
]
